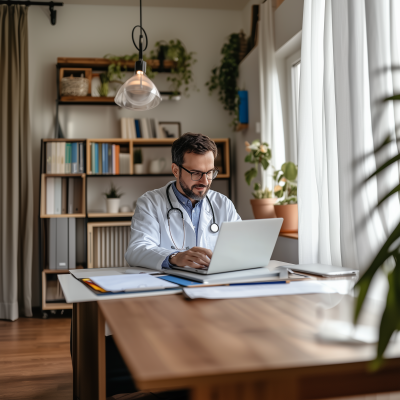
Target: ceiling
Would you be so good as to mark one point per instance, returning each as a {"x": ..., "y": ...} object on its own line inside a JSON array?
[{"x": 209, "y": 4}]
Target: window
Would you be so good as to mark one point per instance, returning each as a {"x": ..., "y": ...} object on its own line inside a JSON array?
[{"x": 293, "y": 67}]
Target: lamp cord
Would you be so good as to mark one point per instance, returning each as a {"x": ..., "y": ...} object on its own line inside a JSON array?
[{"x": 140, "y": 48}]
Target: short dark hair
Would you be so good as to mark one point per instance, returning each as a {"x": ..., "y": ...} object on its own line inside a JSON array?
[{"x": 192, "y": 143}]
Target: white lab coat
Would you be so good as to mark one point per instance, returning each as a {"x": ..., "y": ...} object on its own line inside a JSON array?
[{"x": 150, "y": 241}]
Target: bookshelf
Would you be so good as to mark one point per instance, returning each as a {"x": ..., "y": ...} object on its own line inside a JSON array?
[{"x": 94, "y": 222}]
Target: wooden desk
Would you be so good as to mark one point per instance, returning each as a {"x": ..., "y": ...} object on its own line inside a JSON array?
[{"x": 245, "y": 349}]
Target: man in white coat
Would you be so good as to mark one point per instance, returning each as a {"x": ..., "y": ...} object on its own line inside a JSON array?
[{"x": 187, "y": 237}]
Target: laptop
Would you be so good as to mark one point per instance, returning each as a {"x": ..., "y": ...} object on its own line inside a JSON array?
[
  {"x": 241, "y": 246},
  {"x": 323, "y": 270}
]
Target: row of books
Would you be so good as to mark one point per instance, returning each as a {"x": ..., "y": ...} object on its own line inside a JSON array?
[
  {"x": 107, "y": 158},
  {"x": 63, "y": 196},
  {"x": 146, "y": 128},
  {"x": 65, "y": 157}
]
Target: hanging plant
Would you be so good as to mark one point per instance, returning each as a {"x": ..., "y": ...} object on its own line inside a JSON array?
[
  {"x": 116, "y": 69},
  {"x": 224, "y": 78},
  {"x": 181, "y": 75}
]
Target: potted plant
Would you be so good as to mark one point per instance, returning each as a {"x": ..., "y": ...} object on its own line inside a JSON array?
[
  {"x": 263, "y": 203},
  {"x": 113, "y": 199},
  {"x": 138, "y": 161},
  {"x": 286, "y": 188}
]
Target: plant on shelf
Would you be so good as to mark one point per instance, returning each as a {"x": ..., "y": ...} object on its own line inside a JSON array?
[
  {"x": 181, "y": 74},
  {"x": 116, "y": 70},
  {"x": 113, "y": 193},
  {"x": 259, "y": 155},
  {"x": 286, "y": 188},
  {"x": 138, "y": 161},
  {"x": 286, "y": 184},
  {"x": 113, "y": 197},
  {"x": 224, "y": 78},
  {"x": 259, "y": 193}
]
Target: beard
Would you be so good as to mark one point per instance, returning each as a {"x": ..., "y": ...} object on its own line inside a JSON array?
[{"x": 189, "y": 190}]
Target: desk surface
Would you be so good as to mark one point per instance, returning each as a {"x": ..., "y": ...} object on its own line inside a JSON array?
[
  {"x": 171, "y": 342},
  {"x": 76, "y": 292}
]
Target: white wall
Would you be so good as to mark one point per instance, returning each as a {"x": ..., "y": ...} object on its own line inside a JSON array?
[{"x": 93, "y": 31}]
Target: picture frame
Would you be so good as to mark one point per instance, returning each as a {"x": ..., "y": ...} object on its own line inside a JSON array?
[{"x": 171, "y": 130}]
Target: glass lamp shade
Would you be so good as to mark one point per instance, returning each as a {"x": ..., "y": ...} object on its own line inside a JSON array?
[{"x": 138, "y": 93}]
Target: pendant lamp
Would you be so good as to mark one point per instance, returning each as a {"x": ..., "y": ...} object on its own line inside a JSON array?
[{"x": 138, "y": 93}]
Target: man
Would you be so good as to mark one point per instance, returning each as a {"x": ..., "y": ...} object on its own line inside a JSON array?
[
  {"x": 181, "y": 235},
  {"x": 186, "y": 239}
]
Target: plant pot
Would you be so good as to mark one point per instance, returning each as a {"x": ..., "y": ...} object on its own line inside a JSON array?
[
  {"x": 263, "y": 208},
  {"x": 139, "y": 169},
  {"x": 113, "y": 206},
  {"x": 290, "y": 215}
]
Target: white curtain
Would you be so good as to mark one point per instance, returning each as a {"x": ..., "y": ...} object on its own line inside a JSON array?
[
  {"x": 270, "y": 98},
  {"x": 350, "y": 62}
]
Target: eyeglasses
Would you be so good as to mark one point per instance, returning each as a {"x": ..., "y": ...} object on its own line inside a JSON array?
[{"x": 197, "y": 175}]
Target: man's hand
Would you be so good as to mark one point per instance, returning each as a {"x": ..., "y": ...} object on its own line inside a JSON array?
[{"x": 196, "y": 257}]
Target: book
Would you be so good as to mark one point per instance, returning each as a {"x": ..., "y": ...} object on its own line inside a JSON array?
[
  {"x": 71, "y": 243},
  {"x": 152, "y": 127},
  {"x": 62, "y": 158},
  {"x": 74, "y": 158},
  {"x": 124, "y": 160},
  {"x": 52, "y": 242},
  {"x": 68, "y": 163},
  {"x": 50, "y": 196},
  {"x": 109, "y": 159},
  {"x": 62, "y": 243},
  {"x": 159, "y": 131},
  {"x": 116, "y": 158},
  {"x": 77, "y": 196},
  {"x": 48, "y": 157},
  {"x": 105, "y": 155},
  {"x": 124, "y": 128},
  {"x": 81, "y": 157},
  {"x": 92, "y": 157},
  {"x": 64, "y": 193},
  {"x": 100, "y": 158},
  {"x": 144, "y": 130},
  {"x": 113, "y": 159},
  {"x": 53, "y": 157},
  {"x": 70, "y": 206},
  {"x": 132, "y": 128},
  {"x": 103, "y": 158},
  {"x": 137, "y": 127},
  {"x": 57, "y": 195},
  {"x": 58, "y": 158},
  {"x": 96, "y": 158}
]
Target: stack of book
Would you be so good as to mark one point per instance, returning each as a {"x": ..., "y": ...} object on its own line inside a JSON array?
[
  {"x": 107, "y": 158},
  {"x": 145, "y": 128},
  {"x": 63, "y": 196},
  {"x": 65, "y": 158}
]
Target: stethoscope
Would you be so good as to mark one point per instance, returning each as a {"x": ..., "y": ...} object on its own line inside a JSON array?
[{"x": 214, "y": 228}]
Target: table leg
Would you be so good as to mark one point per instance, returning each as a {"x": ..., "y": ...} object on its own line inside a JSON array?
[{"x": 88, "y": 352}]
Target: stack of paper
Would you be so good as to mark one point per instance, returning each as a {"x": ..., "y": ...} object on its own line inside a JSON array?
[{"x": 130, "y": 283}]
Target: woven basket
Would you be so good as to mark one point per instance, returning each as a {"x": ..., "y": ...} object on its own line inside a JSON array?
[{"x": 74, "y": 86}]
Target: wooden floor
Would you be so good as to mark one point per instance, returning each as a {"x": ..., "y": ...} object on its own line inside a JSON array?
[{"x": 35, "y": 362}]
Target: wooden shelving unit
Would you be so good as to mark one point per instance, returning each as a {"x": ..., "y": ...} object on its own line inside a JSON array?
[
  {"x": 46, "y": 303},
  {"x": 109, "y": 215},
  {"x": 241, "y": 127}
]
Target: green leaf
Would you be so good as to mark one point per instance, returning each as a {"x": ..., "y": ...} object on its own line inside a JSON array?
[
  {"x": 389, "y": 319},
  {"x": 248, "y": 158},
  {"x": 365, "y": 280},
  {"x": 289, "y": 171},
  {"x": 393, "y": 191},
  {"x": 384, "y": 166},
  {"x": 250, "y": 175},
  {"x": 257, "y": 186},
  {"x": 395, "y": 97},
  {"x": 264, "y": 163}
]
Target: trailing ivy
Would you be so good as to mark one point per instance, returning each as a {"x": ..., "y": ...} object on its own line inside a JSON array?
[{"x": 224, "y": 78}]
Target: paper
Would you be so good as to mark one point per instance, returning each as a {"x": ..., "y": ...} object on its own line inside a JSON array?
[
  {"x": 89, "y": 272},
  {"x": 128, "y": 283},
  {"x": 238, "y": 292}
]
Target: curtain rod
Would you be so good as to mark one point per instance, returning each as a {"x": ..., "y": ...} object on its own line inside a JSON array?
[{"x": 50, "y": 4}]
